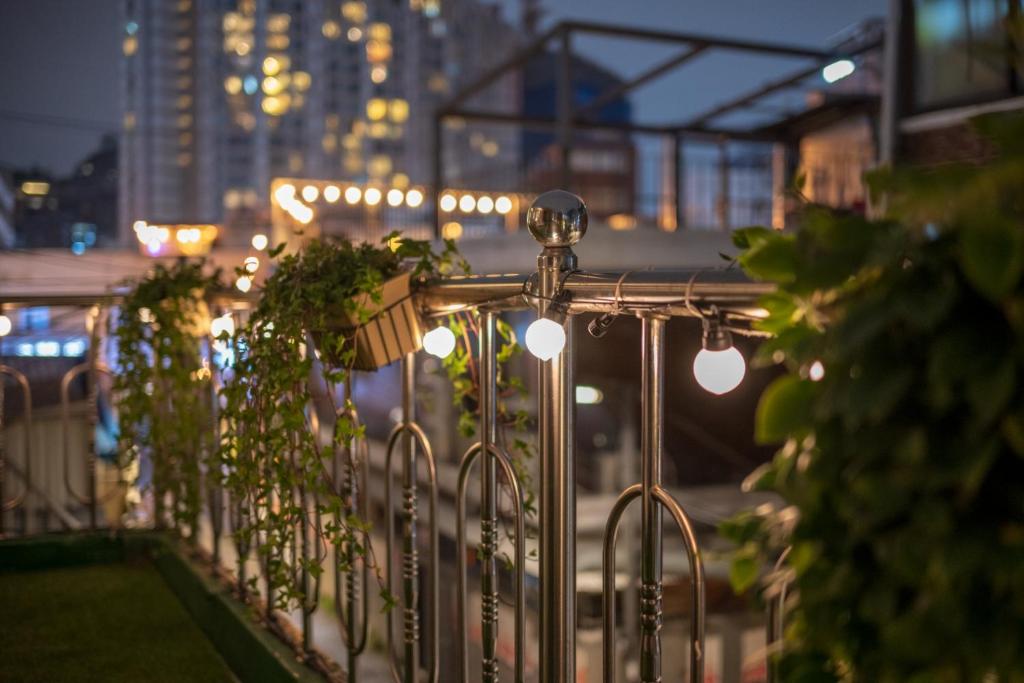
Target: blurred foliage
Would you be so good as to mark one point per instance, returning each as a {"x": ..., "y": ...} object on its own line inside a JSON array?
[
  {"x": 902, "y": 466},
  {"x": 162, "y": 387}
]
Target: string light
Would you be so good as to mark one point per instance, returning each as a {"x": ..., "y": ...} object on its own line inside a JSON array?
[
  {"x": 439, "y": 342},
  {"x": 719, "y": 367}
]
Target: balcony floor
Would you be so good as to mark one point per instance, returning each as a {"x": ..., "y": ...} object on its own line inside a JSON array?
[{"x": 114, "y": 622}]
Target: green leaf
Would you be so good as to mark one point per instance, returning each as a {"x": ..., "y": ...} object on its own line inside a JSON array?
[
  {"x": 773, "y": 259},
  {"x": 784, "y": 409},
  {"x": 744, "y": 569},
  {"x": 993, "y": 256}
]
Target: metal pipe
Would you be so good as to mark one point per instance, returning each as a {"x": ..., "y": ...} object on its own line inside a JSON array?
[
  {"x": 598, "y": 292},
  {"x": 557, "y": 220},
  {"x": 651, "y": 419},
  {"x": 698, "y": 590},
  {"x": 409, "y": 561},
  {"x": 91, "y": 498},
  {"x": 564, "y": 108},
  {"x": 611, "y": 531},
  {"x": 354, "y": 498},
  {"x": 26, "y": 394},
  {"x": 488, "y": 496},
  {"x": 410, "y": 550},
  {"x": 519, "y": 518}
]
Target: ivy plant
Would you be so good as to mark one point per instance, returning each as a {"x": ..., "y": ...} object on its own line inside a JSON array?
[
  {"x": 272, "y": 462},
  {"x": 901, "y": 414},
  {"x": 163, "y": 383}
]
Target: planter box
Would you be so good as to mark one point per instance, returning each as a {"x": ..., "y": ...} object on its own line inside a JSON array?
[{"x": 393, "y": 331}]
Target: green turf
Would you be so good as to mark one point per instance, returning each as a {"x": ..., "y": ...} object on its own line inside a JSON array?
[{"x": 110, "y": 623}]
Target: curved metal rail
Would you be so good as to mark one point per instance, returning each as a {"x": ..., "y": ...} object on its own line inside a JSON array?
[
  {"x": 26, "y": 393},
  {"x": 354, "y": 591},
  {"x": 91, "y": 499},
  {"x": 488, "y": 547},
  {"x": 413, "y": 436}
]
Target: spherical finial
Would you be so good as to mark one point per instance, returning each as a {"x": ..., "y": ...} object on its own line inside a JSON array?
[{"x": 557, "y": 219}]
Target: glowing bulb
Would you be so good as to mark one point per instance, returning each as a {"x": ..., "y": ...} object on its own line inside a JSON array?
[
  {"x": 310, "y": 193},
  {"x": 545, "y": 338},
  {"x": 284, "y": 193},
  {"x": 353, "y": 194},
  {"x": 448, "y": 202},
  {"x": 219, "y": 326},
  {"x": 395, "y": 197},
  {"x": 6, "y": 326},
  {"x": 244, "y": 284},
  {"x": 485, "y": 205},
  {"x": 439, "y": 342},
  {"x": 259, "y": 242},
  {"x": 719, "y": 371},
  {"x": 372, "y": 196},
  {"x": 413, "y": 198},
  {"x": 467, "y": 203},
  {"x": 838, "y": 70},
  {"x": 252, "y": 264},
  {"x": 503, "y": 204},
  {"x": 816, "y": 372},
  {"x": 332, "y": 193}
]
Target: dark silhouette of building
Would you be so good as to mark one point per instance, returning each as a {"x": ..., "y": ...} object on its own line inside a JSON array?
[{"x": 76, "y": 212}]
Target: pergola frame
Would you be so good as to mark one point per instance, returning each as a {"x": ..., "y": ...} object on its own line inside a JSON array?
[{"x": 567, "y": 120}]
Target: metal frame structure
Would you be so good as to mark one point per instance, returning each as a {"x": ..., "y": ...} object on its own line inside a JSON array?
[
  {"x": 557, "y": 289},
  {"x": 568, "y": 120}
]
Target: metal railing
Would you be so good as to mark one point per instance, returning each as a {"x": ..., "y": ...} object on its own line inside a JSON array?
[{"x": 559, "y": 289}]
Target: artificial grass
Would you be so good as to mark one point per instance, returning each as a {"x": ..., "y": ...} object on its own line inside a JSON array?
[{"x": 110, "y": 623}]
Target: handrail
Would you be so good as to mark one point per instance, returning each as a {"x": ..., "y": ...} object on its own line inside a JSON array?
[
  {"x": 91, "y": 499},
  {"x": 413, "y": 436},
  {"x": 26, "y": 393}
]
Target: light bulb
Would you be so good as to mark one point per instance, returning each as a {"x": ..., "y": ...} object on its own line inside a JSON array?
[
  {"x": 5, "y": 326},
  {"x": 259, "y": 242},
  {"x": 719, "y": 371},
  {"x": 838, "y": 70},
  {"x": 244, "y": 284},
  {"x": 224, "y": 323},
  {"x": 439, "y": 342},
  {"x": 545, "y": 338}
]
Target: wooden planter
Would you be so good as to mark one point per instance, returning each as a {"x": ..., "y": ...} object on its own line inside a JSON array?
[{"x": 393, "y": 330}]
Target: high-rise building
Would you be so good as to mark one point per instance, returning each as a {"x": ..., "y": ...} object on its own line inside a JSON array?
[{"x": 221, "y": 96}]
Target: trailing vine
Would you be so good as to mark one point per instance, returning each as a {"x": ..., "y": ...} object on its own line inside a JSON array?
[
  {"x": 902, "y": 419},
  {"x": 270, "y": 455},
  {"x": 162, "y": 386}
]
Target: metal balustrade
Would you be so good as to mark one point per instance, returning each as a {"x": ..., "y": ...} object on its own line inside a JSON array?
[{"x": 560, "y": 290}]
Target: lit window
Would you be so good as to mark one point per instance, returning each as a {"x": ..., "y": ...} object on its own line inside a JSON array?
[
  {"x": 380, "y": 31},
  {"x": 355, "y": 34},
  {"x": 301, "y": 80},
  {"x": 271, "y": 66},
  {"x": 130, "y": 45},
  {"x": 233, "y": 85},
  {"x": 354, "y": 11},
  {"x": 331, "y": 29},
  {"x": 399, "y": 110},
  {"x": 376, "y": 109},
  {"x": 379, "y": 74}
]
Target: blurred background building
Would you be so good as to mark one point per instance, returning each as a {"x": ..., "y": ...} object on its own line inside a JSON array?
[{"x": 222, "y": 96}]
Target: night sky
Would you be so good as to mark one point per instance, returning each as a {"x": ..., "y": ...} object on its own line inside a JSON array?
[{"x": 59, "y": 61}]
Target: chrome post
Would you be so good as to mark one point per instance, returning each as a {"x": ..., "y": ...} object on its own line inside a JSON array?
[
  {"x": 26, "y": 394},
  {"x": 353, "y": 494},
  {"x": 488, "y": 498},
  {"x": 651, "y": 419},
  {"x": 557, "y": 220},
  {"x": 405, "y": 668},
  {"x": 410, "y": 551},
  {"x": 214, "y": 493},
  {"x": 93, "y": 369},
  {"x": 653, "y": 500}
]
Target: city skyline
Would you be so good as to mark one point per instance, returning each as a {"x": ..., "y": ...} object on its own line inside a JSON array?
[{"x": 61, "y": 73}]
